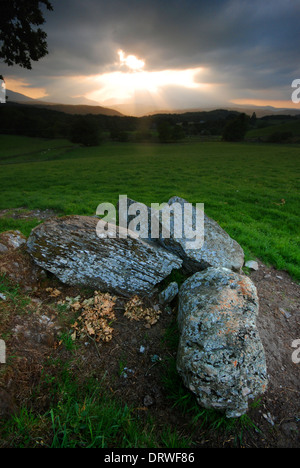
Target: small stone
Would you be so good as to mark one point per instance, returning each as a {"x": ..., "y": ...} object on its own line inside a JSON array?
[
  {"x": 252, "y": 265},
  {"x": 167, "y": 296},
  {"x": 268, "y": 417},
  {"x": 284, "y": 312},
  {"x": 12, "y": 240}
]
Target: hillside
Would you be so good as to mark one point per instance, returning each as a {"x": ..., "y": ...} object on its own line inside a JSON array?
[
  {"x": 78, "y": 109},
  {"x": 73, "y": 109},
  {"x": 290, "y": 128}
]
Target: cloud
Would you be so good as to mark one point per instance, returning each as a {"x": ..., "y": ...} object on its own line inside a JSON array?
[
  {"x": 21, "y": 86},
  {"x": 244, "y": 49}
]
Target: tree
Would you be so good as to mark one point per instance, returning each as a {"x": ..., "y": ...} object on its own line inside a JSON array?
[
  {"x": 85, "y": 131},
  {"x": 253, "y": 119},
  {"x": 236, "y": 129},
  {"x": 21, "y": 40},
  {"x": 165, "y": 130},
  {"x": 178, "y": 133}
]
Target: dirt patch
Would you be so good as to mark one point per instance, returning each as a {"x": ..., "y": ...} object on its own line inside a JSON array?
[
  {"x": 135, "y": 360},
  {"x": 20, "y": 268},
  {"x": 279, "y": 326}
]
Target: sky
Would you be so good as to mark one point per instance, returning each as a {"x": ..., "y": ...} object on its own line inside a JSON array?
[{"x": 139, "y": 56}]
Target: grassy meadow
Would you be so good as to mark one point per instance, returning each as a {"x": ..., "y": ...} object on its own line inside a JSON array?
[{"x": 251, "y": 190}]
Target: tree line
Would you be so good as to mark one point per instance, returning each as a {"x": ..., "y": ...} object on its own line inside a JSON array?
[{"x": 90, "y": 130}]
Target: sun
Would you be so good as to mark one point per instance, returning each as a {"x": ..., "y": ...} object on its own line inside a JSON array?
[{"x": 131, "y": 61}]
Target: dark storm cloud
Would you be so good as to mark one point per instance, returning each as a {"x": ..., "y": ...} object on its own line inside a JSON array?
[
  {"x": 245, "y": 44},
  {"x": 174, "y": 33}
]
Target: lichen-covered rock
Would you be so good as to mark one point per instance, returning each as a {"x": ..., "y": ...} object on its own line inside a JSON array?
[
  {"x": 70, "y": 248},
  {"x": 11, "y": 240},
  {"x": 212, "y": 247},
  {"x": 167, "y": 295},
  {"x": 220, "y": 355},
  {"x": 218, "y": 248}
]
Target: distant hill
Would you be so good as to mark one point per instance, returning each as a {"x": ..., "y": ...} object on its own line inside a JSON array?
[
  {"x": 78, "y": 109},
  {"x": 17, "y": 97},
  {"x": 264, "y": 111},
  {"x": 139, "y": 110},
  {"x": 260, "y": 111}
]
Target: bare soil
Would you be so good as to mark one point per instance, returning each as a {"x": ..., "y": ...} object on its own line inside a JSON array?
[{"x": 135, "y": 360}]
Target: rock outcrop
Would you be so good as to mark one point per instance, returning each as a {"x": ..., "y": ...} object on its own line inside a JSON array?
[
  {"x": 70, "y": 248},
  {"x": 220, "y": 356}
]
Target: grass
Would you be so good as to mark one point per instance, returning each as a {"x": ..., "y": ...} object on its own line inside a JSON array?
[
  {"x": 14, "y": 149},
  {"x": 12, "y": 294},
  {"x": 251, "y": 190},
  {"x": 84, "y": 415}
]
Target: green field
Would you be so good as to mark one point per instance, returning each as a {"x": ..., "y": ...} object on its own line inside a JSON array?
[{"x": 251, "y": 190}]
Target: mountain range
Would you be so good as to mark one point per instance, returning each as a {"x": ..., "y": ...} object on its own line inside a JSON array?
[{"x": 91, "y": 107}]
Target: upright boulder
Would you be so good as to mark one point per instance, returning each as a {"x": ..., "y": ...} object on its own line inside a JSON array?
[
  {"x": 217, "y": 249},
  {"x": 70, "y": 248},
  {"x": 220, "y": 355}
]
